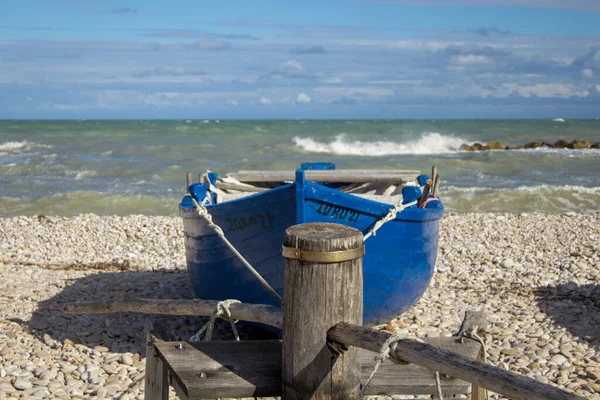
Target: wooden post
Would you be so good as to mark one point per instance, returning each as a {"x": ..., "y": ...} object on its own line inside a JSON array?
[
  {"x": 156, "y": 385},
  {"x": 188, "y": 180},
  {"x": 318, "y": 295}
]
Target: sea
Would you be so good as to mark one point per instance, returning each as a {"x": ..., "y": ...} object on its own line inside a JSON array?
[{"x": 124, "y": 167}]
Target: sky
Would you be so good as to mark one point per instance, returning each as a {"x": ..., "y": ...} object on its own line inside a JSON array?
[{"x": 133, "y": 59}]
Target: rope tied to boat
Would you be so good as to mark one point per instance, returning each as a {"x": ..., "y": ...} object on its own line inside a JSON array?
[
  {"x": 221, "y": 311},
  {"x": 203, "y": 213},
  {"x": 391, "y": 215},
  {"x": 389, "y": 346}
]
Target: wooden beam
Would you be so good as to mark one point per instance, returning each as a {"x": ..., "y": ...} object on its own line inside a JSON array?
[
  {"x": 506, "y": 383},
  {"x": 207, "y": 370},
  {"x": 240, "y": 188},
  {"x": 247, "y": 368},
  {"x": 264, "y": 314},
  {"x": 318, "y": 294},
  {"x": 337, "y": 175},
  {"x": 156, "y": 386},
  {"x": 392, "y": 378}
]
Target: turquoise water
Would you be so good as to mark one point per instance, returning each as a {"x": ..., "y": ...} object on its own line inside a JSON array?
[{"x": 139, "y": 167}]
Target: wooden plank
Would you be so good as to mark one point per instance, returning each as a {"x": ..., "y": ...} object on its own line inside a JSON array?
[
  {"x": 253, "y": 368},
  {"x": 264, "y": 314},
  {"x": 477, "y": 392},
  {"x": 240, "y": 188},
  {"x": 318, "y": 294},
  {"x": 395, "y": 378},
  {"x": 156, "y": 385},
  {"x": 338, "y": 175},
  {"x": 223, "y": 368},
  {"x": 506, "y": 383}
]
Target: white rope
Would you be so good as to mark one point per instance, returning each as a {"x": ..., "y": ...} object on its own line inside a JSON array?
[
  {"x": 391, "y": 215},
  {"x": 222, "y": 311},
  {"x": 203, "y": 213},
  {"x": 389, "y": 346}
]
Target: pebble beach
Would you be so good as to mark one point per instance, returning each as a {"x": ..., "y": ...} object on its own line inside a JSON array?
[{"x": 536, "y": 276}]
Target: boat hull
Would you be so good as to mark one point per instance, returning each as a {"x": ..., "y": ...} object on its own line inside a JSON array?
[{"x": 397, "y": 267}]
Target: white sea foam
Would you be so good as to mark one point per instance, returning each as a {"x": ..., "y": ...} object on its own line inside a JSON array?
[
  {"x": 539, "y": 198},
  {"x": 84, "y": 174},
  {"x": 428, "y": 143},
  {"x": 20, "y": 146},
  {"x": 558, "y": 120},
  {"x": 528, "y": 189}
]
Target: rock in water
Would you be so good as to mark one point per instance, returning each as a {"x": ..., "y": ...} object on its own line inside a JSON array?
[{"x": 579, "y": 144}]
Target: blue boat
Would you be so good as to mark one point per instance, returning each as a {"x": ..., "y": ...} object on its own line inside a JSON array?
[{"x": 397, "y": 267}]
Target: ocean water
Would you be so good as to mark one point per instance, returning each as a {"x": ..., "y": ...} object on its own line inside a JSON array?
[{"x": 139, "y": 167}]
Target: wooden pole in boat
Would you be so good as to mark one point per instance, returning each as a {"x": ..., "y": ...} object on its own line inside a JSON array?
[
  {"x": 188, "y": 180},
  {"x": 425, "y": 192},
  {"x": 433, "y": 173},
  {"x": 323, "y": 286},
  {"x": 436, "y": 184}
]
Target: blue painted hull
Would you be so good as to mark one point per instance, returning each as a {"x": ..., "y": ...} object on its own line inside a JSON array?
[{"x": 397, "y": 267}]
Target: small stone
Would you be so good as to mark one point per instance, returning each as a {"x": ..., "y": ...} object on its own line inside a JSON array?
[
  {"x": 127, "y": 359},
  {"x": 22, "y": 384},
  {"x": 558, "y": 359},
  {"x": 101, "y": 349}
]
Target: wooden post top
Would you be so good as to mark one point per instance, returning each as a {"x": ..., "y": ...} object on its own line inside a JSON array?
[{"x": 323, "y": 236}]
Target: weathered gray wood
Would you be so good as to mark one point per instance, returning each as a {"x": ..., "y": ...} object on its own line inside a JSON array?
[
  {"x": 425, "y": 193},
  {"x": 509, "y": 384},
  {"x": 188, "y": 180},
  {"x": 478, "y": 392},
  {"x": 317, "y": 296},
  {"x": 338, "y": 175},
  {"x": 156, "y": 386},
  {"x": 264, "y": 314},
  {"x": 240, "y": 188},
  {"x": 223, "y": 368},
  {"x": 436, "y": 185},
  {"x": 392, "y": 378},
  {"x": 250, "y": 368}
]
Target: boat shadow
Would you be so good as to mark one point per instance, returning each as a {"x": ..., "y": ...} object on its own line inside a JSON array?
[
  {"x": 124, "y": 331},
  {"x": 574, "y": 307}
]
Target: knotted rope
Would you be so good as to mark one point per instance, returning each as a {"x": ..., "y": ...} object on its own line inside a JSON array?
[
  {"x": 391, "y": 215},
  {"x": 222, "y": 311},
  {"x": 203, "y": 213},
  {"x": 389, "y": 346}
]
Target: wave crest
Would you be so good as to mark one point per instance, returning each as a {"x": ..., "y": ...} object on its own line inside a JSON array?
[
  {"x": 427, "y": 143},
  {"x": 18, "y": 146}
]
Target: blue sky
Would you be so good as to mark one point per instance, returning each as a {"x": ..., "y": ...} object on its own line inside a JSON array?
[{"x": 300, "y": 59}]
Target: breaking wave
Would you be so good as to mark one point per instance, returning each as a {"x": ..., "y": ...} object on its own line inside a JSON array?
[
  {"x": 540, "y": 198},
  {"x": 15, "y": 147},
  {"x": 428, "y": 143}
]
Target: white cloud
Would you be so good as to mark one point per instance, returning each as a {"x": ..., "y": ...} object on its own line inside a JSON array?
[
  {"x": 471, "y": 59},
  {"x": 291, "y": 66},
  {"x": 233, "y": 103},
  {"x": 303, "y": 98},
  {"x": 265, "y": 101},
  {"x": 548, "y": 90},
  {"x": 587, "y": 73}
]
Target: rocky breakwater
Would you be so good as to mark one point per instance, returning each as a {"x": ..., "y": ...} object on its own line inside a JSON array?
[
  {"x": 578, "y": 144},
  {"x": 536, "y": 276}
]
